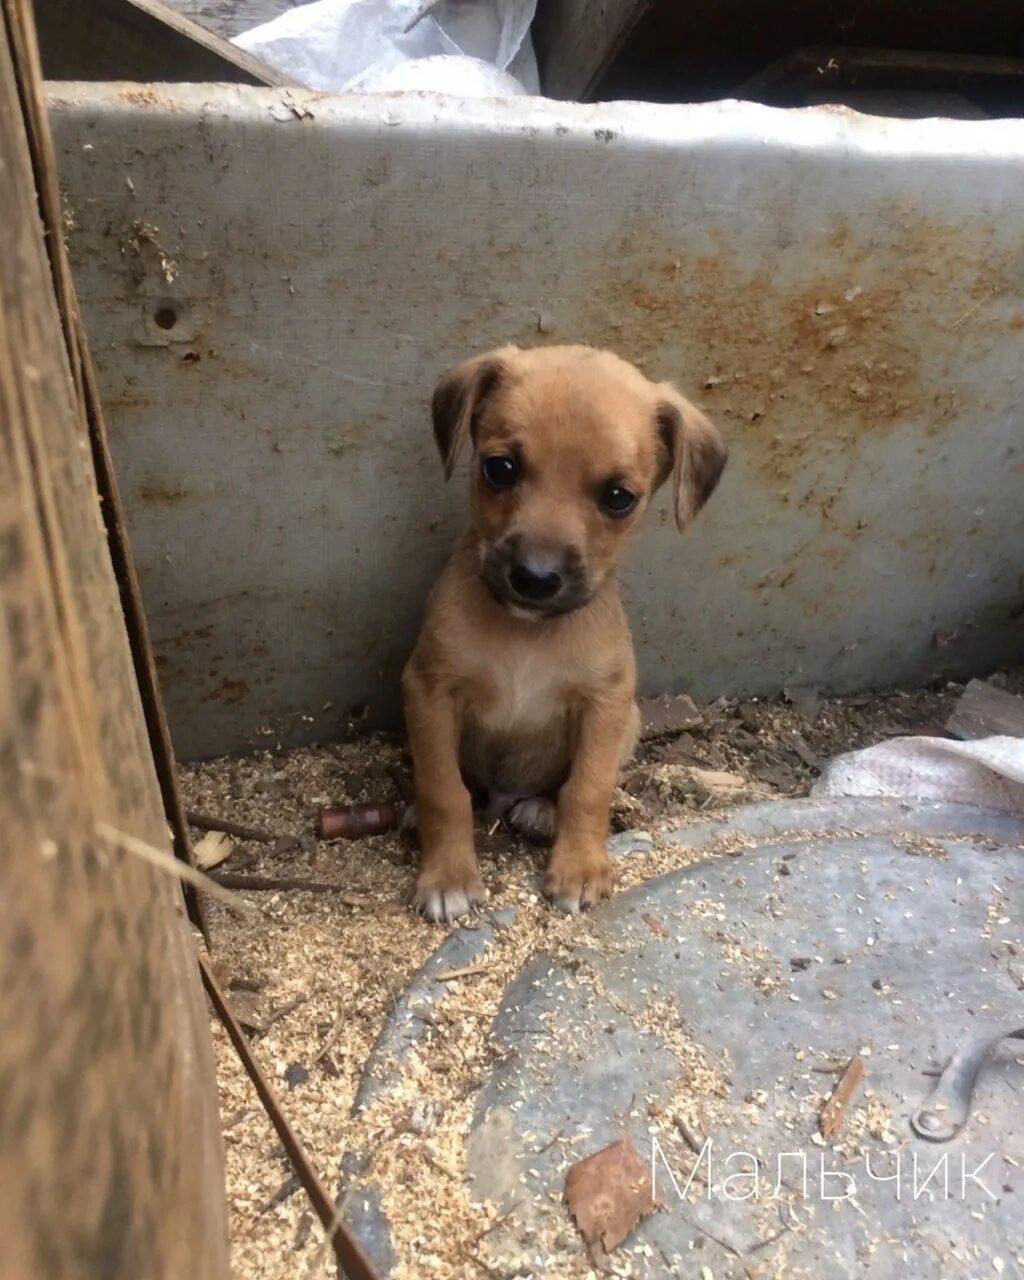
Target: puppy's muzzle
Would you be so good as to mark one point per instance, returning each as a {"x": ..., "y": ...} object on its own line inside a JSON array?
[{"x": 536, "y": 579}]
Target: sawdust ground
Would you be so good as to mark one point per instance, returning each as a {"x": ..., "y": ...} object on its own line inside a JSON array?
[{"x": 347, "y": 964}]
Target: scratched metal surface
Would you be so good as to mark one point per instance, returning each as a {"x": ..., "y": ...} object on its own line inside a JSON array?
[
  {"x": 845, "y": 295},
  {"x": 803, "y": 951}
]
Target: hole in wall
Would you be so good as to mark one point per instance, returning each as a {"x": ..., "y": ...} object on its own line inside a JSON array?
[{"x": 165, "y": 316}]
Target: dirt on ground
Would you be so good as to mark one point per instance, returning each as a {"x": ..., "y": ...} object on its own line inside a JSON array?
[{"x": 315, "y": 974}]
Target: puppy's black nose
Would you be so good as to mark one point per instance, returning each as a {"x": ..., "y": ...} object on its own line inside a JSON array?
[{"x": 533, "y": 582}]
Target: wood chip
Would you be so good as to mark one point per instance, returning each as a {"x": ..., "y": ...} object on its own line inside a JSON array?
[
  {"x": 660, "y": 716},
  {"x": 250, "y": 1010},
  {"x": 984, "y": 710},
  {"x": 714, "y": 784},
  {"x": 608, "y": 1193},
  {"x": 805, "y": 702},
  {"x": 214, "y": 848},
  {"x": 833, "y": 1113},
  {"x": 799, "y": 747}
]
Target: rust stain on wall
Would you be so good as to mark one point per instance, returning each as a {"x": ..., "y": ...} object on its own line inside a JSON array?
[
  {"x": 228, "y": 691},
  {"x": 168, "y": 495},
  {"x": 792, "y": 357}
]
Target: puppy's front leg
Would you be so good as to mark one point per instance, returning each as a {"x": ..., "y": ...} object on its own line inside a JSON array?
[
  {"x": 580, "y": 871},
  {"x": 448, "y": 882}
]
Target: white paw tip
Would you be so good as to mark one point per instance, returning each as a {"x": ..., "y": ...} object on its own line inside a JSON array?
[{"x": 441, "y": 906}]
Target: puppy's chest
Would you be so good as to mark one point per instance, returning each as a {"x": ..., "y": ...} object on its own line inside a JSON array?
[{"x": 517, "y": 690}]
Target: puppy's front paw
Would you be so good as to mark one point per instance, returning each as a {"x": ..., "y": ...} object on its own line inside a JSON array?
[
  {"x": 577, "y": 878},
  {"x": 443, "y": 895}
]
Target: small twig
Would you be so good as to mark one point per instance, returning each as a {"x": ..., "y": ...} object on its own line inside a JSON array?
[
  {"x": 206, "y": 822},
  {"x": 966, "y": 315},
  {"x": 477, "y": 1261},
  {"x": 229, "y": 880},
  {"x": 833, "y": 1113},
  {"x": 329, "y": 1039},
  {"x": 175, "y": 867},
  {"x": 302, "y": 1231},
  {"x": 282, "y": 1011},
  {"x": 689, "y": 1137},
  {"x": 441, "y": 1168},
  {"x": 284, "y": 1192},
  {"x": 470, "y": 971},
  {"x": 501, "y": 1221}
]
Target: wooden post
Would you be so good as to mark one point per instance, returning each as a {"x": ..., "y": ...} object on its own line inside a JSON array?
[{"x": 110, "y": 1157}]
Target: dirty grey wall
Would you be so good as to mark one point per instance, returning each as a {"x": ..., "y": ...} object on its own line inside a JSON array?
[{"x": 273, "y": 281}]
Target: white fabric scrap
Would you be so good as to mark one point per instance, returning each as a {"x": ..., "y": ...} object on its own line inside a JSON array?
[
  {"x": 340, "y": 44},
  {"x": 988, "y": 772}
]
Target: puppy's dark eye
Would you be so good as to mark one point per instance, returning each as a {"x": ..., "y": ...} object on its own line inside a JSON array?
[
  {"x": 501, "y": 470},
  {"x": 615, "y": 500}
]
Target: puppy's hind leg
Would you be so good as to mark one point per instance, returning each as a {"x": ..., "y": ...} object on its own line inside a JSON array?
[{"x": 534, "y": 818}]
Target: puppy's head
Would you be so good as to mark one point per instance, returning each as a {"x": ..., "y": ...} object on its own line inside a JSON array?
[{"x": 569, "y": 445}]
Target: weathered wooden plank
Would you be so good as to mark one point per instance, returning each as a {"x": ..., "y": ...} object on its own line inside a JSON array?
[
  {"x": 821, "y": 69},
  {"x": 230, "y": 17},
  {"x": 139, "y": 40},
  {"x": 984, "y": 710},
  {"x": 86, "y": 392},
  {"x": 109, "y": 1151},
  {"x": 577, "y": 39}
]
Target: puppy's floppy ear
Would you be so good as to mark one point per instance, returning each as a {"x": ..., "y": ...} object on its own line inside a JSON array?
[
  {"x": 458, "y": 399},
  {"x": 694, "y": 452}
]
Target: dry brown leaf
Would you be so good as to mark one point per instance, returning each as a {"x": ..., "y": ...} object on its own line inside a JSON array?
[
  {"x": 214, "y": 848},
  {"x": 608, "y": 1193}
]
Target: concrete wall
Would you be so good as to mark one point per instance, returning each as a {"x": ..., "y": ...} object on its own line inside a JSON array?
[{"x": 845, "y": 295}]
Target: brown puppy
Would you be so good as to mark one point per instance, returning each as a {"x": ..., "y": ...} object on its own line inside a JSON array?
[{"x": 522, "y": 682}]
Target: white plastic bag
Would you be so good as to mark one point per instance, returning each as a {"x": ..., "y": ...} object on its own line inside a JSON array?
[
  {"x": 461, "y": 77},
  {"x": 339, "y": 44},
  {"x": 989, "y": 772}
]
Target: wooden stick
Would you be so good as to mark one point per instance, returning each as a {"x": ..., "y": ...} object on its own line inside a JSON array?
[
  {"x": 229, "y": 880},
  {"x": 206, "y": 822},
  {"x": 833, "y": 1113},
  {"x": 329, "y": 1039},
  {"x": 282, "y": 1011},
  {"x": 689, "y": 1137},
  {"x": 174, "y": 866},
  {"x": 470, "y": 971}
]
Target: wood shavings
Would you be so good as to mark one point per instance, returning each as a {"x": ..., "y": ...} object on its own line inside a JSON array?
[
  {"x": 920, "y": 846},
  {"x": 351, "y": 964}
]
